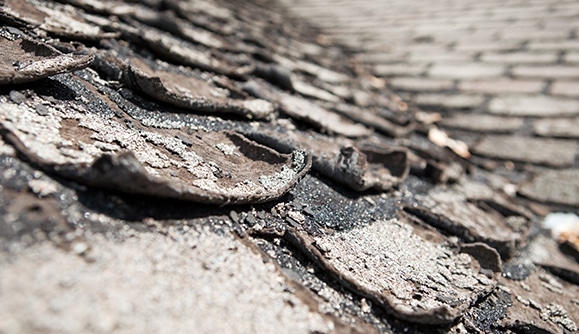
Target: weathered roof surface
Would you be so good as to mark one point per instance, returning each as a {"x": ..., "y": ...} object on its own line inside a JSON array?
[
  {"x": 218, "y": 166},
  {"x": 487, "y": 69}
]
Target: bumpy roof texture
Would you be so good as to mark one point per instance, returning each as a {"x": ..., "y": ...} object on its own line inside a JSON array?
[{"x": 218, "y": 166}]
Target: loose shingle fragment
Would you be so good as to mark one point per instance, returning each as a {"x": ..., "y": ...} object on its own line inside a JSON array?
[
  {"x": 192, "y": 92},
  {"x": 410, "y": 277},
  {"x": 104, "y": 151},
  {"x": 564, "y": 228},
  {"x": 24, "y": 60}
]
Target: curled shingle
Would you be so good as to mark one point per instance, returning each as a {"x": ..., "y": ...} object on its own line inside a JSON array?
[
  {"x": 104, "y": 151},
  {"x": 194, "y": 93},
  {"x": 373, "y": 119},
  {"x": 307, "y": 111},
  {"x": 23, "y": 60},
  {"x": 302, "y": 109},
  {"x": 56, "y": 19},
  {"x": 186, "y": 53},
  {"x": 359, "y": 166},
  {"x": 108, "y": 7}
]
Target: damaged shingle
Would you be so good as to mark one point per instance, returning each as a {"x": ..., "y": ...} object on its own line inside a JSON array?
[
  {"x": 201, "y": 271},
  {"x": 366, "y": 167},
  {"x": 451, "y": 211},
  {"x": 412, "y": 278},
  {"x": 110, "y": 7},
  {"x": 545, "y": 252},
  {"x": 357, "y": 165},
  {"x": 307, "y": 111},
  {"x": 168, "y": 110},
  {"x": 374, "y": 120},
  {"x": 56, "y": 19},
  {"x": 553, "y": 186},
  {"x": 105, "y": 152},
  {"x": 322, "y": 73},
  {"x": 24, "y": 60},
  {"x": 186, "y": 53},
  {"x": 194, "y": 93},
  {"x": 170, "y": 22},
  {"x": 304, "y": 110},
  {"x": 538, "y": 305}
]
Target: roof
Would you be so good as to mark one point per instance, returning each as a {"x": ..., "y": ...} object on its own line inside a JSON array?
[{"x": 218, "y": 166}]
